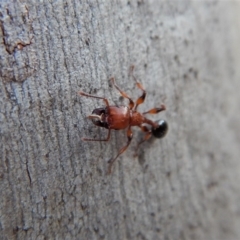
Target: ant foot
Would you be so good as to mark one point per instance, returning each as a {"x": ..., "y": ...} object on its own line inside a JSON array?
[
  {"x": 131, "y": 68},
  {"x": 135, "y": 155},
  {"x": 109, "y": 171}
]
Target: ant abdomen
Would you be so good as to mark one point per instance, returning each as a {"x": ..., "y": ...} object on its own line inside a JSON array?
[{"x": 161, "y": 130}]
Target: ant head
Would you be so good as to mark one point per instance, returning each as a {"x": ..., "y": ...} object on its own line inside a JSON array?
[
  {"x": 161, "y": 130},
  {"x": 98, "y": 117}
]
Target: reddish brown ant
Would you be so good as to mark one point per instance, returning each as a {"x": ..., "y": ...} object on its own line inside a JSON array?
[{"x": 122, "y": 117}]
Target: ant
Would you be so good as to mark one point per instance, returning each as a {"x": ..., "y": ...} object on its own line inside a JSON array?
[{"x": 122, "y": 117}]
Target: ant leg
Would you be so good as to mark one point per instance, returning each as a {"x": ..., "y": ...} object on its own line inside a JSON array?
[
  {"x": 147, "y": 136},
  {"x": 88, "y": 95},
  {"x": 111, "y": 161},
  {"x": 139, "y": 85},
  {"x": 131, "y": 103},
  {"x": 98, "y": 140},
  {"x": 155, "y": 110}
]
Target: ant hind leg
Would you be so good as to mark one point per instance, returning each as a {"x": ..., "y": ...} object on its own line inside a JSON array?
[
  {"x": 141, "y": 99},
  {"x": 147, "y": 136},
  {"x": 122, "y": 150}
]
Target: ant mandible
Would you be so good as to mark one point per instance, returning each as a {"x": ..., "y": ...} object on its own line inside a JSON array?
[{"x": 122, "y": 117}]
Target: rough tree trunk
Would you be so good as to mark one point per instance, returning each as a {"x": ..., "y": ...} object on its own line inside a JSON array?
[{"x": 53, "y": 185}]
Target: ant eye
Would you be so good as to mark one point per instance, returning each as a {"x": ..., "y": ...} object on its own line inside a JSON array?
[{"x": 161, "y": 130}]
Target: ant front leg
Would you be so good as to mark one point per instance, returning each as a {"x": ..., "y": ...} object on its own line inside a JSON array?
[
  {"x": 98, "y": 140},
  {"x": 92, "y": 96},
  {"x": 139, "y": 85},
  {"x": 131, "y": 103},
  {"x": 147, "y": 136},
  {"x": 122, "y": 150}
]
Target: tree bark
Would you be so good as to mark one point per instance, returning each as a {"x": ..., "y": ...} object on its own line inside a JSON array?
[{"x": 184, "y": 186}]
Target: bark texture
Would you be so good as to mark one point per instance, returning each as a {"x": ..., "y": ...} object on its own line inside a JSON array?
[{"x": 53, "y": 185}]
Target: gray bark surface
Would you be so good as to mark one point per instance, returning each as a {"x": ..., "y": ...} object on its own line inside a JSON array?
[{"x": 55, "y": 186}]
